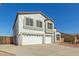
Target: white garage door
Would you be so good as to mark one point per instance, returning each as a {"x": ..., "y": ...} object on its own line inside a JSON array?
[
  {"x": 32, "y": 39},
  {"x": 48, "y": 39}
]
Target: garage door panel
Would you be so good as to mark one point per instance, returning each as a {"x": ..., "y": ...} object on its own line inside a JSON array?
[
  {"x": 48, "y": 39},
  {"x": 31, "y": 39}
]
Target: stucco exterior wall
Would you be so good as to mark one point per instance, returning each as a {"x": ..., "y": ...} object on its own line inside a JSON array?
[
  {"x": 34, "y": 17},
  {"x": 33, "y": 35}
]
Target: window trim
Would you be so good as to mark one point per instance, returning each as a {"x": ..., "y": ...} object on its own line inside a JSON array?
[
  {"x": 29, "y": 21},
  {"x": 39, "y": 24},
  {"x": 48, "y": 25},
  {"x": 58, "y": 36}
]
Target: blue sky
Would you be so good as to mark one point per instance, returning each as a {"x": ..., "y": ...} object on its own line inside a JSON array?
[{"x": 65, "y": 16}]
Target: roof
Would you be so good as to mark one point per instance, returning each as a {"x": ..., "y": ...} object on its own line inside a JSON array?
[
  {"x": 76, "y": 34},
  {"x": 67, "y": 34},
  {"x": 31, "y": 13}
]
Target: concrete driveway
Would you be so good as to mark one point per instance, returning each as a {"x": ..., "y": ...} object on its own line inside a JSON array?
[
  {"x": 39, "y": 50},
  {"x": 47, "y": 50},
  {"x": 7, "y": 50}
]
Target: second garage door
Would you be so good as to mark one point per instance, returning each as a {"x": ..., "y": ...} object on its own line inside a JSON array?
[{"x": 48, "y": 39}]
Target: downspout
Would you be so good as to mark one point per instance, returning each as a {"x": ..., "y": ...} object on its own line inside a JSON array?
[
  {"x": 43, "y": 41},
  {"x": 54, "y": 37}
]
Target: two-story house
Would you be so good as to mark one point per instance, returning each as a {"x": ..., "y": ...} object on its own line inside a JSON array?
[{"x": 33, "y": 28}]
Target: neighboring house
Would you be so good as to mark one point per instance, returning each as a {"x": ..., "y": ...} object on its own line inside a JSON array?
[
  {"x": 76, "y": 38},
  {"x": 58, "y": 37},
  {"x": 70, "y": 37},
  {"x": 33, "y": 28}
]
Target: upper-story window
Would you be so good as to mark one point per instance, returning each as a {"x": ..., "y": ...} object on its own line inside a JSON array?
[
  {"x": 29, "y": 21},
  {"x": 49, "y": 25},
  {"x": 39, "y": 24}
]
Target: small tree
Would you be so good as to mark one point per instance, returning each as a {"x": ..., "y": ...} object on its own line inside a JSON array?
[{"x": 68, "y": 38}]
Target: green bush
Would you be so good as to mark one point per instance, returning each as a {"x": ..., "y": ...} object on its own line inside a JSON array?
[{"x": 68, "y": 38}]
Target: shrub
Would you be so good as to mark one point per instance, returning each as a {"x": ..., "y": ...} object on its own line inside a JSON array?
[{"x": 68, "y": 38}]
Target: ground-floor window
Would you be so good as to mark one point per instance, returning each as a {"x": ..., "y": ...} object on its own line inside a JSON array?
[{"x": 58, "y": 36}]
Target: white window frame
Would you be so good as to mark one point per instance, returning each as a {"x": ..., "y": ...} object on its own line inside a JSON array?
[
  {"x": 48, "y": 25},
  {"x": 29, "y": 24},
  {"x": 39, "y": 24}
]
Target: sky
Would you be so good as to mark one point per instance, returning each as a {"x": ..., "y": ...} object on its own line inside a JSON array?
[{"x": 65, "y": 16}]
